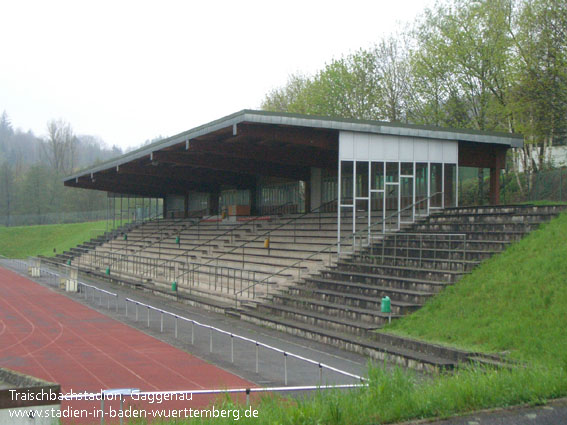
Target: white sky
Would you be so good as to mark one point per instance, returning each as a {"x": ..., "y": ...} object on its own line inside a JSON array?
[{"x": 128, "y": 71}]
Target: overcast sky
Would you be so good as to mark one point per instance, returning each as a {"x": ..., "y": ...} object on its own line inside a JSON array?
[{"x": 128, "y": 71}]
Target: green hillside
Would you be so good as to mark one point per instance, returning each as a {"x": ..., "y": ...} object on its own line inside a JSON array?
[
  {"x": 24, "y": 241},
  {"x": 513, "y": 303}
]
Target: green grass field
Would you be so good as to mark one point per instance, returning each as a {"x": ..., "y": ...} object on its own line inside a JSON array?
[{"x": 24, "y": 241}]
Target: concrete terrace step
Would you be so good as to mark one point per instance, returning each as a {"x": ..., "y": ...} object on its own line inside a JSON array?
[
  {"x": 397, "y": 288},
  {"x": 303, "y": 314},
  {"x": 349, "y": 297},
  {"x": 360, "y": 315},
  {"x": 515, "y": 209},
  {"x": 389, "y": 281},
  {"x": 426, "y": 253},
  {"x": 346, "y": 268},
  {"x": 375, "y": 350},
  {"x": 428, "y": 241},
  {"x": 269, "y": 254},
  {"x": 476, "y": 227},
  {"x": 415, "y": 262},
  {"x": 485, "y": 236},
  {"x": 254, "y": 264}
]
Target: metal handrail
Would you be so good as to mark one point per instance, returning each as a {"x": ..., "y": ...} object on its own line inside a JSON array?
[
  {"x": 460, "y": 238},
  {"x": 187, "y": 251},
  {"x": 161, "y": 229},
  {"x": 336, "y": 245},
  {"x": 243, "y": 338},
  {"x": 293, "y": 219}
]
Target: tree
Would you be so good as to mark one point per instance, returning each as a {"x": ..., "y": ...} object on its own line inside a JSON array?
[
  {"x": 289, "y": 98},
  {"x": 540, "y": 92},
  {"x": 60, "y": 146},
  {"x": 7, "y": 191}
]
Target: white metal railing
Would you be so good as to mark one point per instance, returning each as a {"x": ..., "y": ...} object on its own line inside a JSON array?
[
  {"x": 360, "y": 236},
  {"x": 233, "y": 336}
]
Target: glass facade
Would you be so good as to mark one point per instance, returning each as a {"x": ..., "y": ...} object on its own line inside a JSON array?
[{"x": 389, "y": 193}]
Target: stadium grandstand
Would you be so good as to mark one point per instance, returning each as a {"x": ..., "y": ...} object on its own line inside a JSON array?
[{"x": 266, "y": 215}]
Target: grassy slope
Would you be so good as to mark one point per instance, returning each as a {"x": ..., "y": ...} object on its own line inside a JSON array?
[
  {"x": 23, "y": 241},
  {"x": 514, "y": 302}
]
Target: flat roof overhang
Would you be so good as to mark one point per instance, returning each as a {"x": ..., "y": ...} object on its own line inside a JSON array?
[{"x": 233, "y": 151}]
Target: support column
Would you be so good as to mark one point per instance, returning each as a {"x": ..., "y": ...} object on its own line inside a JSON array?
[
  {"x": 214, "y": 202},
  {"x": 495, "y": 186},
  {"x": 316, "y": 186},
  {"x": 254, "y": 198},
  {"x": 186, "y": 206},
  {"x": 307, "y": 196}
]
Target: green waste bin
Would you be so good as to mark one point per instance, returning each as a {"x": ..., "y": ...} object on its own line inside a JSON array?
[
  {"x": 69, "y": 262},
  {"x": 107, "y": 271},
  {"x": 125, "y": 237},
  {"x": 386, "y": 305},
  {"x": 174, "y": 286},
  {"x": 177, "y": 240}
]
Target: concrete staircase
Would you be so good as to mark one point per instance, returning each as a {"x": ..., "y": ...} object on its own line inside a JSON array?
[
  {"x": 92, "y": 244},
  {"x": 340, "y": 304}
]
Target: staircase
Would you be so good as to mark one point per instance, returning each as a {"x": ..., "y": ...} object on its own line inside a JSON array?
[
  {"x": 340, "y": 304},
  {"x": 92, "y": 244}
]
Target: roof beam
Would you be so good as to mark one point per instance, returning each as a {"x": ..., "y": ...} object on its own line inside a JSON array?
[
  {"x": 242, "y": 166},
  {"x": 187, "y": 174},
  {"x": 302, "y": 156}
]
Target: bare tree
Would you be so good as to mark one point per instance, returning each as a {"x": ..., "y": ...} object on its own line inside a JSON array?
[{"x": 60, "y": 146}]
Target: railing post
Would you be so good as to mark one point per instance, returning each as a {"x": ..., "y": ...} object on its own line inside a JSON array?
[
  {"x": 285, "y": 368},
  {"x": 175, "y": 326},
  {"x": 210, "y": 340},
  {"x": 148, "y": 316},
  {"x": 257, "y": 347},
  {"x": 231, "y": 348},
  {"x": 192, "y": 332}
]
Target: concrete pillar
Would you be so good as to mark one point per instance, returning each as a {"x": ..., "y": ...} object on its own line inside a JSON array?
[
  {"x": 494, "y": 186},
  {"x": 254, "y": 198},
  {"x": 214, "y": 202},
  {"x": 315, "y": 188}
]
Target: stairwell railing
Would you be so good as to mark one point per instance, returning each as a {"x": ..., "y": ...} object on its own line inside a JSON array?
[
  {"x": 361, "y": 235},
  {"x": 196, "y": 271}
]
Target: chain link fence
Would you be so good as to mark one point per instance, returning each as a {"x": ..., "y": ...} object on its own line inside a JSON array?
[{"x": 53, "y": 218}]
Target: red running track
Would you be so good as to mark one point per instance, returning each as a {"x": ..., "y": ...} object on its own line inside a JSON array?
[{"x": 50, "y": 336}]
